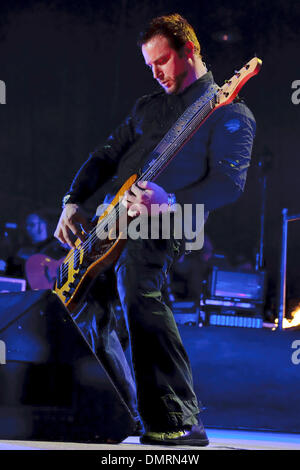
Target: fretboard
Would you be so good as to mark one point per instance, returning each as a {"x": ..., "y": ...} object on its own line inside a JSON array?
[{"x": 183, "y": 129}]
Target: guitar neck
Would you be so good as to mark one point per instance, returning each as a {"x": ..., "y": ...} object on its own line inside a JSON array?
[{"x": 182, "y": 131}]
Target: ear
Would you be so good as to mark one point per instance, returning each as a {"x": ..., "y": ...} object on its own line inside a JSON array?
[{"x": 189, "y": 48}]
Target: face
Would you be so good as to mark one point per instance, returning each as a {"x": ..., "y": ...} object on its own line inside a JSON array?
[
  {"x": 36, "y": 228},
  {"x": 168, "y": 67}
]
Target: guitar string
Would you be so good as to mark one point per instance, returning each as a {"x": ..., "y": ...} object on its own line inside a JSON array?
[{"x": 159, "y": 163}]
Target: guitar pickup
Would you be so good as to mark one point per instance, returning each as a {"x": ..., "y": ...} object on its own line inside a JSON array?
[
  {"x": 62, "y": 275},
  {"x": 76, "y": 258}
]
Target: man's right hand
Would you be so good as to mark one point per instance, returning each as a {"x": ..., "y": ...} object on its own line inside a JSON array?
[{"x": 72, "y": 220}]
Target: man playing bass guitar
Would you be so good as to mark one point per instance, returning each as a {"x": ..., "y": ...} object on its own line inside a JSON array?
[{"x": 211, "y": 170}]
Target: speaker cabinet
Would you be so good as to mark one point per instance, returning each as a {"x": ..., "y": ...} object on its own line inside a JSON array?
[{"x": 52, "y": 386}]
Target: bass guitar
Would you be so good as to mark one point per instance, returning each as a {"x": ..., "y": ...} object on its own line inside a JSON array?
[
  {"x": 41, "y": 271},
  {"x": 102, "y": 245}
]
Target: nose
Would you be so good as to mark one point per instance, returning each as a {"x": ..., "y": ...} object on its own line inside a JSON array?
[{"x": 157, "y": 73}]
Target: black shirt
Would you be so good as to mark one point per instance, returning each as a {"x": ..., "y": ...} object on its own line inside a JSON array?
[{"x": 211, "y": 168}]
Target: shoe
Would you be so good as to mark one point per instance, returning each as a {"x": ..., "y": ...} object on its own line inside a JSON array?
[{"x": 195, "y": 436}]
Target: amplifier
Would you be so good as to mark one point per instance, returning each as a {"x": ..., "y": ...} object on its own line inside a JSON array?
[
  {"x": 236, "y": 313},
  {"x": 234, "y": 320},
  {"x": 186, "y": 312},
  {"x": 10, "y": 284},
  {"x": 237, "y": 285}
]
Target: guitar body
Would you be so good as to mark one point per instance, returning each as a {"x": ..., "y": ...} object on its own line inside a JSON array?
[
  {"x": 85, "y": 262},
  {"x": 41, "y": 271}
]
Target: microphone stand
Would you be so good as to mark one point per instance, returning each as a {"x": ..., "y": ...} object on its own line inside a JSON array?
[
  {"x": 264, "y": 166},
  {"x": 260, "y": 255}
]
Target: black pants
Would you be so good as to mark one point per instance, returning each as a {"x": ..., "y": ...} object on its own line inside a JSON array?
[{"x": 162, "y": 389}]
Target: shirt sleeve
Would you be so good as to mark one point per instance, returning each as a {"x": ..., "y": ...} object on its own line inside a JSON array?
[
  {"x": 229, "y": 154},
  {"x": 102, "y": 162}
]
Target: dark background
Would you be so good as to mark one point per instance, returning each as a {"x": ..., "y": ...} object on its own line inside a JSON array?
[{"x": 73, "y": 70}]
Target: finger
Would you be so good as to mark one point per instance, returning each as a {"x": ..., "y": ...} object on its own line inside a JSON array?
[
  {"x": 138, "y": 209},
  {"x": 144, "y": 184},
  {"x": 125, "y": 203},
  {"x": 66, "y": 238},
  {"x": 146, "y": 196},
  {"x": 73, "y": 226},
  {"x": 133, "y": 212},
  {"x": 145, "y": 193},
  {"x": 76, "y": 229},
  {"x": 129, "y": 199},
  {"x": 136, "y": 190},
  {"x": 125, "y": 196},
  {"x": 59, "y": 236}
]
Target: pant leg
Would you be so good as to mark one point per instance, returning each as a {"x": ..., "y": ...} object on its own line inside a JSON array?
[
  {"x": 166, "y": 399},
  {"x": 98, "y": 324}
]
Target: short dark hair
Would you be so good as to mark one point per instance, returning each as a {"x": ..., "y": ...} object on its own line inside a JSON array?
[{"x": 175, "y": 28}]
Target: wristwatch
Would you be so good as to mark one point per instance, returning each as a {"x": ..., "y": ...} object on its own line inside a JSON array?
[{"x": 65, "y": 200}]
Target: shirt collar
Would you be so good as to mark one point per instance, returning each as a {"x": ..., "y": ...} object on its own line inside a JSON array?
[{"x": 197, "y": 88}]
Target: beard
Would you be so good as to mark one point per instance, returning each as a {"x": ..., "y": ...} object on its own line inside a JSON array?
[{"x": 178, "y": 81}]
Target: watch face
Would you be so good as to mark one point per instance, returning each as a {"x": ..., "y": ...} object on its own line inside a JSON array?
[{"x": 66, "y": 198}]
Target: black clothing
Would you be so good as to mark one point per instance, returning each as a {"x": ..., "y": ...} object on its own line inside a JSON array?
[
  {"x": 217, "y": 156},
  {"x": 210, "y": 169},
  {"x": 162, "y": 371}
]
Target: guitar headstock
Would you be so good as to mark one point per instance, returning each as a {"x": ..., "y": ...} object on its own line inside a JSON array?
[{"x": 230, "y": 89}]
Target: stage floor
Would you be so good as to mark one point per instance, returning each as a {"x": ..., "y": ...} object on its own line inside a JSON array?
[{"x": 219, "y": 440}]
